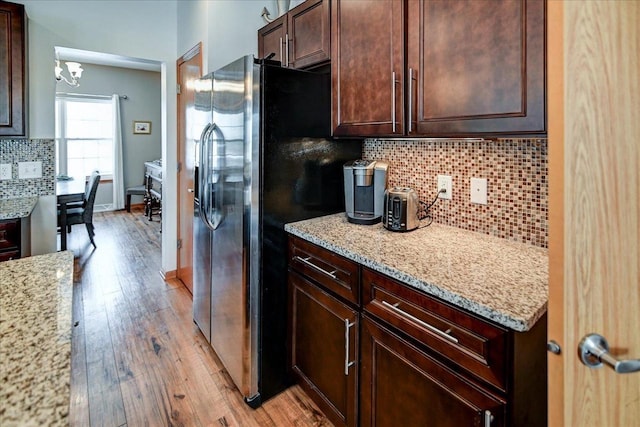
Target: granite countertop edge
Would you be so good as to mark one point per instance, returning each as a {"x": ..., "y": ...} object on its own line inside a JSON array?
[
  {"x": 473, "y": 306},
  {"x": 17, "y": 207}
]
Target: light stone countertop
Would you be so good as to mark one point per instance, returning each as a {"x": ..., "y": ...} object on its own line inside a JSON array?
[
  {"x": 35, "y": 340},
  {"x": 18, "y": 207},
  {"x": 503, "y": 281}
]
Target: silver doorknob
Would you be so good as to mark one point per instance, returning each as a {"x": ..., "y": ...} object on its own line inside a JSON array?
[
  {"x": 190, "y": 190},
  {"x": 594, "y": 351}
]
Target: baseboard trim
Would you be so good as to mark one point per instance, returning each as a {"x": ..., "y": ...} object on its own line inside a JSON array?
[{"x": 168, "y": 275}]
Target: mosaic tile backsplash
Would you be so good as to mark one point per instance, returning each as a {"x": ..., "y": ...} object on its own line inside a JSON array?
[
  {"x": 13, "y": 151},
  {"x": 516, "y": 173}
]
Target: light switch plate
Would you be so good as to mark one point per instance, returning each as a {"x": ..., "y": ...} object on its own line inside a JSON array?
[
  {"x": 479, "y": 191},
  {"x": 29, "y": 170},
  {"x": 5, "y": 171}
]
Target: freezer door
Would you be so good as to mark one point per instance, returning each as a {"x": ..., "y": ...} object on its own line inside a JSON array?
[
  {"x": 201, "y": 273},
  {"x": 234, "y": 301},
  {"x": 200, "y": 118}
]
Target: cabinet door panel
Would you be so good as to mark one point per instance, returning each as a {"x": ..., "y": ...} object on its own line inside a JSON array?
[
  {"x": 13, "y": 113},
  {"x": 479, "y": 66},
  {"x": 319, "y": 349},
  {"x": 271, "y": 39},
  {"x": 310, "y": 33},
  {"x": 400, "y": 385},
  {"x": 367, "y": 48}
]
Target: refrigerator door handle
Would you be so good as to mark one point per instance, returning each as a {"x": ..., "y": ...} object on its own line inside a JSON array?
[
  {"x": 204, "y": 176},
  {"x": 214, "y": 211}
]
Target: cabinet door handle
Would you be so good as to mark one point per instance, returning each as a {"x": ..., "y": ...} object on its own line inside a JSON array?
[
  {"x": 331, "y": 274},
  {"x": 393, "y": 102},
  {"x": 422, "y": 323},
  {"x": 488, "y": 418},
  {"x": 281, "y": 57},
  {"x": 347, "y": 363},
  {"x": 410, "y": 98},
  {"x": 286, "y": 49}
]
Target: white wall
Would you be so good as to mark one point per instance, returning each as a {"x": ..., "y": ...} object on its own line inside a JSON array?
[
  {"x": 138, "y": 29},
  {"x": 227, "y": 28}
]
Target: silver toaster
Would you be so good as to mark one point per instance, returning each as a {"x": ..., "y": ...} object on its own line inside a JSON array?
[{"x": 401, "y": 207}]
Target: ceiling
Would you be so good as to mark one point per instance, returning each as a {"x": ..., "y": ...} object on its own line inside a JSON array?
[{"x": 99, "y": 58}]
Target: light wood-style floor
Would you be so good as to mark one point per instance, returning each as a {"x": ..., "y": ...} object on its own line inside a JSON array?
[{"x": 137, "y": 357}]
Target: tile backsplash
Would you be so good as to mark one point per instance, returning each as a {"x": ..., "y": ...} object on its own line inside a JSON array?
[
  {"x": 13, "y": 151},
  {"x": 516, "y": 173}
]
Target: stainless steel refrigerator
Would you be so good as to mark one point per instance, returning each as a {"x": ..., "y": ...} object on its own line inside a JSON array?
[{"x": 263, "y": 159}]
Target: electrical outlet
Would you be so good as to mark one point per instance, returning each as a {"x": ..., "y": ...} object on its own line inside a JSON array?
[
  {"x": 444, "y": 182},
  {"x": 29, "y": 170},
  {"x": 479, "y": 191},
  {"x": 5, "y": 171}
]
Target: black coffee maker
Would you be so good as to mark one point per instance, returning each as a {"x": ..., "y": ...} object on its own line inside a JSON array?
[{"x": 364, "y": 184}]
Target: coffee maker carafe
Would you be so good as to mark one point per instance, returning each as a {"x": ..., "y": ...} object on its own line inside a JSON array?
[{"x": 364, "y": 184}]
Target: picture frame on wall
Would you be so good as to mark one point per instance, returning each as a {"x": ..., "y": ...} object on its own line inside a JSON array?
[{"x": 141, "y": 127}]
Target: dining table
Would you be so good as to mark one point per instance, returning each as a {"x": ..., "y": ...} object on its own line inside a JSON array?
[{"x": 68, "y": 191}]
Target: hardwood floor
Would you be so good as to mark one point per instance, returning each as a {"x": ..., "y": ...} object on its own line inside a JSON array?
[{"x": 137, "y": 357}]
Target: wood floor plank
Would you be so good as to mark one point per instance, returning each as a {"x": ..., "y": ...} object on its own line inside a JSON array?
[
  {"x": 79, "y": 405},
  {"x": 137, "y": 357}
]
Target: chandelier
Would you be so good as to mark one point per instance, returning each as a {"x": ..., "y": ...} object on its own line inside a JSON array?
[{"x": 75, "y": 71}]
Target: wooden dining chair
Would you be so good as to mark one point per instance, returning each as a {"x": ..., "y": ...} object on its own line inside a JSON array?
[{"x": 84, "y": 214}]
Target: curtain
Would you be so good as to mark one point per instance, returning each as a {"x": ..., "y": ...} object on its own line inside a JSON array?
[{"x": 118, "y": 181}]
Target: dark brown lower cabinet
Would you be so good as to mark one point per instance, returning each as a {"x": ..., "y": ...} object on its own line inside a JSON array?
[
  {"x": 373, "y": 351},
  {"x": 10, "y": 236},
  {"x": 325, "y": 349},
  {"x": 400, "y": 385}
]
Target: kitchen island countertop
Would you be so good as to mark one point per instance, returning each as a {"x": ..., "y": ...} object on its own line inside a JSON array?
[
  {"x": 35, "y": 339},
  {"x": 500, "y": 280},
  {"x": 17, "y": 207}
]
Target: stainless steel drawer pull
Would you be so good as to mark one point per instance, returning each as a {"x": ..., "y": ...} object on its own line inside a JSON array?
[
  {"x": 414, "y": 319},
  {"x": 488, "y": 418},
  {"x": 331, "y": 274},
  {"x": 347, "y": 364}
]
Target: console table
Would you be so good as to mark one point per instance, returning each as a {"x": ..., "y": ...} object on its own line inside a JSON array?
[{"x": 153, "y": 185}]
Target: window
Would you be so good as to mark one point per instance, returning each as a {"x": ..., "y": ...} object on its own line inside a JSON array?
[{"x": 84, "y": 136}]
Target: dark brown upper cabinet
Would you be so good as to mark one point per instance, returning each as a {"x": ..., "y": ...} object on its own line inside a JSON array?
[
  {"x": 300, "y": 38},
  {"x": 367, "y": 67},
  {"x": 465, "y": 68},
  {"x": 476, "y": 67},
  {"x": 13, "y": 86}
]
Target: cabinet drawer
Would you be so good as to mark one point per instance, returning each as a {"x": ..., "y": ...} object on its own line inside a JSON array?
[
  {"x": 332, "y": 271},
  {"x": 401, "y": 385},
  {"x": 471, "y": 343},
  {"x": 6, "y": 256},
  {"x": 10, "y": 234}
]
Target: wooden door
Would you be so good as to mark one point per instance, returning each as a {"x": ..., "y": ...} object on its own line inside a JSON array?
[
  {"x": 309, "y": 33},
  {"x": 477, "y": 67},
  {"x": 401, "y": 385},
  {"x": 322, "y": 348},
  {"x": 271, "y": 39},
  {"x": 594, "y": 182},
  {"x": 367, "y": 67},
  {"x": 189, "y": 70}
]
